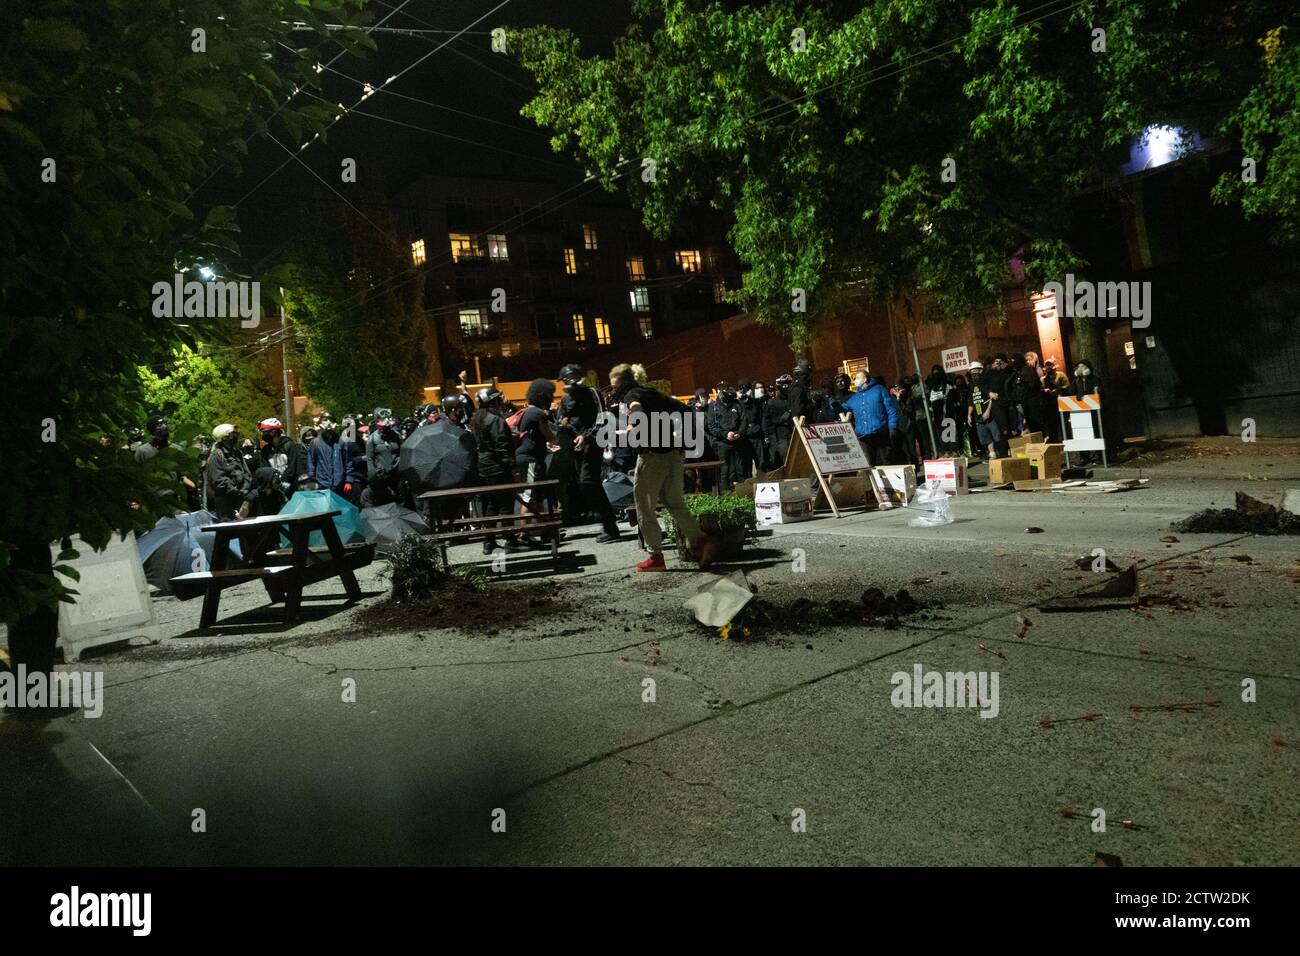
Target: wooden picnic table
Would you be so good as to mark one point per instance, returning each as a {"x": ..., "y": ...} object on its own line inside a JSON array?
[
  {"x": 480, "y": 527},
  {"x": 283, "y": 571}
]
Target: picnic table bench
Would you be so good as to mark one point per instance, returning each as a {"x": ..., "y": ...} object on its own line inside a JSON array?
[
  {"x": 284, "y": 572},
  {"x": 479, "y": 528}
]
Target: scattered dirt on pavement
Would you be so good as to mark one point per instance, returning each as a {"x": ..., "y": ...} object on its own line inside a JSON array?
[
  {"x": 874, "y": 608},
  {"x": 1218, "y": 520},
  {"x": 484, "y": 610},
  {"x": 1189, "y": 449}
]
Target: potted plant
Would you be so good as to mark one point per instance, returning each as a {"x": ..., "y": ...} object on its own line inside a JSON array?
[{"x": 727, "y": 516}]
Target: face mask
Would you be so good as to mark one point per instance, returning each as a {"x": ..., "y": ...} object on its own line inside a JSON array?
[
  {"x": 860, "y": 384},
  {"x": 759, "y": 393}
]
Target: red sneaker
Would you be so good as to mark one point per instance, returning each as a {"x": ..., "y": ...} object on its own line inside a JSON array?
[{"x": 653, "y": 563}]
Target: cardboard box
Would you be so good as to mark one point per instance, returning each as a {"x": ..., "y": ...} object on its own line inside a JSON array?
[
  {"x": 746, "y": 488},
  {"x": 782, "y": 502},
  {"x": 849, "y": 490},
  {"x": 950, "y": 473},
  {"x": 896, "y": 483},
  {"x": 783, "y": 512},
  {"x": 790, "y": 489},
  {"x": 1019, "y": 445},
  {"x": 1046, "y": 460},
  {"x": 1003, "y": 471}
]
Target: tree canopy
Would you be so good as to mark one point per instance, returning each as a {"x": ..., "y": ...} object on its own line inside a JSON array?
[
  {"x": 356, "y": 313},
  {"x": 112, "y": 116},
  {"x": 207, "y": 386},
  {"x": 911, "y": 145}
]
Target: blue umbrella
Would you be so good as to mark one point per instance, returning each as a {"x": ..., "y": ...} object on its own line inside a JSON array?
[
  {"x": 352, "y": 527},
  {"x": 172, "y": 547}
]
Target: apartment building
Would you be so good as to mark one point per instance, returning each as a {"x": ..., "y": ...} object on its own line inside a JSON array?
[{"x": 525, "y": 274}]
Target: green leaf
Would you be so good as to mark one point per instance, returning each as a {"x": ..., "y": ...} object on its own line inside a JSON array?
[{"x": 53, "y": 35}]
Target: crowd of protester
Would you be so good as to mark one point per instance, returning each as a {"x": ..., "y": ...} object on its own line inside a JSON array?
[{"x": 747, "y": 429}]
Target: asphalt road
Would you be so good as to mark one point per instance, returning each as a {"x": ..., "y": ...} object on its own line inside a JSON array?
[{"x": 745, "y": 738}]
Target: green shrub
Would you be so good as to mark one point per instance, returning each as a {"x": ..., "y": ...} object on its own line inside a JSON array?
[
  {"x": 417, "y": 567},
  {"x": 716, "y": 513}
]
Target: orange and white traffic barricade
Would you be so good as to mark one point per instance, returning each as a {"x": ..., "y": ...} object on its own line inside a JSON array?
[{"x": 1085, "y": 432}]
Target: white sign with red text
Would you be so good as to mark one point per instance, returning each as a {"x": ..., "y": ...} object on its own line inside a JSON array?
[{"x": 956, "y": 360}]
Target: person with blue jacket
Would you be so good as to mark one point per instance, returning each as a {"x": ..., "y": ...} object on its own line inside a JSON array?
[
  {"x": 329, "y": 461},
  {"x": 875, "y": 417}
]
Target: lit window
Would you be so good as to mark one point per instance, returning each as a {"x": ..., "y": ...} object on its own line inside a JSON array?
[
  {"x": 636, "y": 268},
  {"x": 647, "y": 327},
  {"x": 462, "y": 247},
  {"x": 688, "y": 260},
  {"x": 640, "y": 296},
  {"x": 497, "y": 250},
  {"x": 509, "y": 349},
  {"x": 417, "y": 252},
  {"x": 719, "y": 290},
  {"x": 602, "y": 331},
  {"x": 588, "y": 238},
  {"x": 570, "y": 262},
  {"x": 472, "y": 322},
  {"x": 579, "y": 327}
]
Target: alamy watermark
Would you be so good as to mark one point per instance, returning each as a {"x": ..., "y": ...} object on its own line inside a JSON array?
[
  {"x": 1122, "y": 300},
  {"x": 179, "y": 299},
  {"x": 75, "y": 909},
  {"x": 653, "y": 430},
  {"x": 75, "y": 690},
  {"x": 924, "y": 688}
]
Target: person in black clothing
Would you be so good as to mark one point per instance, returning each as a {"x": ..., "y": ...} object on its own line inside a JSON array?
[
  {"x": 841, "y": 390},
  {"x": 456, "y": 409},
  {"x": 778, "y": 423},
  {"x": 1035, "y": 398},
  {"x": 284, "y": 456},
  {"x": 762, "y": 451},
  {"x": 383, "y": 448},
  {"x": 160, "y": 438},
  {"x": 803, "y": 401},
  {"x": 955, "y": 410},
  {"x": 355, "y": 434},
  {"x": 226, "y": 477},
  {"x": 936, "y": 396},
  {"x": 581, "y": 411},
  {"x": 752, "y": 425},
  {"x": 726, "y": 426},
  {"x": 704, "y": 478},
  {"x": 496, "y": 462},
  {"x": 998, "y": 380},
  {"x": 537, "y": 436}
]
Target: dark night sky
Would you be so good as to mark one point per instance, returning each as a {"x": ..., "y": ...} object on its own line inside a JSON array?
[{"x": 465, "y": 75}]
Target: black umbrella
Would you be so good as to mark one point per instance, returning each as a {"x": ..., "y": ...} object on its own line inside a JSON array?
[
  {"x": 390, "y": 523},
  {"x": 437, "y": 456},
  {"x": 176, "y": 546}
]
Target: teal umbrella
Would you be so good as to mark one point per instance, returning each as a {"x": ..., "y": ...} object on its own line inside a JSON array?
[{"x": 352, "y": 527}]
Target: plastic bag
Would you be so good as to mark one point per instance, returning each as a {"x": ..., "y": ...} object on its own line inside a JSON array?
[{"x": 933, "y": 505}]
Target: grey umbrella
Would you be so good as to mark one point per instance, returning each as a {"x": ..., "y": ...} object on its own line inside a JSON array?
[
  {"x": 390, "y": 523},
  {"x": 618, "y": 489},
  {"x": 437, "y": 456},
  {"x": 176, "y": 546}
]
